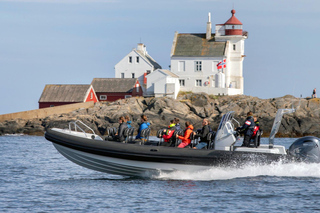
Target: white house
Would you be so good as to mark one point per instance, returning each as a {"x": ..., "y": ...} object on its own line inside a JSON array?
[
  {"x": 194, "y": 58},
  {"x": 163, "y": 83},
  {"x": 137, "y": 64}
]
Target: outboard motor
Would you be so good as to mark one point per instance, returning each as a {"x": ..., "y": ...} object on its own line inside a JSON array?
[{"x": 306, "y": 149}]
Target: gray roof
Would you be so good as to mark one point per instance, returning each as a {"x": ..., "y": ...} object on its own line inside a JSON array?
[
  {"x": 113, "y": 84},
  {"x": 64, "y": 93},
  {"x": 150, "y": 60},
  {"x": 198, "y": 45},
  {"x": 170, "y": 73}
]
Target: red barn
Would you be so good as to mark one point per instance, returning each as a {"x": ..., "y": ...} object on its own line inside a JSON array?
[
  {"x": 61, "y": 94},
  {"x": 111, "y": 89}
]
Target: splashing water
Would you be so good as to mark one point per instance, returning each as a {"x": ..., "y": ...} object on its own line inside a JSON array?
[{"x": 224, "y": 173}]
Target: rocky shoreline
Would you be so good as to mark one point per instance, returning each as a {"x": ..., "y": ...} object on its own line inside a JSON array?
[{"x": 188, "y": 107}]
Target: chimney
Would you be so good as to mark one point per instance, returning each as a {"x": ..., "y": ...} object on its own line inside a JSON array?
[
  {"x": 142, "y": 48},
  {"x": 208, "y": 35}
]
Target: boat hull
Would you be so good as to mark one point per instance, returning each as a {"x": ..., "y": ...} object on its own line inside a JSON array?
[{"x": 145, "y": 160}]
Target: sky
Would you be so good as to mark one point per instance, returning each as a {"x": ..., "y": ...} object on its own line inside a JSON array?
[{"x": 73, "y": 41}]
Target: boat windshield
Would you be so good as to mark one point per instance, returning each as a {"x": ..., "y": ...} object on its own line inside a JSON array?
[
  {"x": 225, "y": 126},
  {"x": 277, "y": 123}
]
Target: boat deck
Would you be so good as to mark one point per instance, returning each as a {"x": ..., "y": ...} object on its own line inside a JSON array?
[{"x": 263, "y": 148}]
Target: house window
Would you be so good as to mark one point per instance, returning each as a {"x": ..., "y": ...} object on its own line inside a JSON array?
[
  {"x": 137, "y": 59},
  {"x": 137, "y": 87},
  {"x": 130, "y": 59},
  {"x": 198, "y": 66},
  {"x": 181, "y": 66},
  {"x": 148, "y": 72},
  {"x": 103, "y": 97},
  {"x": 122, "y": 75},
  {"x": 91, "y": 95},
  {"x": 127, "y": 96},
  {"x": 214, "y": 66},
  {"x": 198, "y": 83},
  {"x": 234, "y": 47},
  {"x": 181, "y": 82},
  {"x": 51, "y": 105},
  {"x": 132, "y": 75}
]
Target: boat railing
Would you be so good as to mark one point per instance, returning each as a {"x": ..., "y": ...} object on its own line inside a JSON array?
[{"x": 77, "y": 127}]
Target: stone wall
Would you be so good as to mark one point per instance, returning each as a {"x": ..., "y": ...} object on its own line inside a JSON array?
[{"x": 45, "y": 112}]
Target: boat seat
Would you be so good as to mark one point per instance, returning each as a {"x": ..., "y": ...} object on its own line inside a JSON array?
[
  {"x": 112, "y": 131},
  {"x": 128, "y": 133},
  {"x": 159, "y": 135},
  {"x": 145, "y": 133},
  {"x": 177, "y": 140},
  {"x": 210, "y": 138},
  {"x": 255, "y": 141}
]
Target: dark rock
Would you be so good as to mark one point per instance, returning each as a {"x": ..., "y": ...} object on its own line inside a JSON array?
[{"x": 189, "y": 107}]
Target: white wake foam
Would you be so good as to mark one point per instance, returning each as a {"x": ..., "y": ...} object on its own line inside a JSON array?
[{"x": 225, "y": 173}]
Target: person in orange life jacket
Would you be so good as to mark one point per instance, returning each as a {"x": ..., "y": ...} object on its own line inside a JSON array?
[
  {"x": 176, "y": 121},
  {"x": 203, "y": 134},
  {"x": 145, "y": 124},
  {"x": 167, "y": 134},
  {"x": 247, "y": 128},
  {"x": 186, "y": 138}
]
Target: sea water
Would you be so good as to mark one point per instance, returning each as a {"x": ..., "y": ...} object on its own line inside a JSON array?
[{"x": 36, "y": 178}]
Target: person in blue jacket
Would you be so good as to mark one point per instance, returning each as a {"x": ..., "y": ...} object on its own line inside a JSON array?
[
  {"x": 144, "y": 124},
  {"x": 128, "y": 121}
]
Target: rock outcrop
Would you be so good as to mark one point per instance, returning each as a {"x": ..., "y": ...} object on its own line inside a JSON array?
[{"x": 189, "y": 107}]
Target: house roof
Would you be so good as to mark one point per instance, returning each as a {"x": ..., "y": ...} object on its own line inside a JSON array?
[
  {"x": 64, "y": 93},
  {"x": 167, "y": 72},
  {"x": 113, "y": 84},
  {"x": 149, "y": 59},
  {"x": 198, "y": 45}
]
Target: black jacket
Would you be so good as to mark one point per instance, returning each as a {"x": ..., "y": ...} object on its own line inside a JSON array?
[
  {"x": 248, "y": 126},
  {"x": 203, "y": 133}
]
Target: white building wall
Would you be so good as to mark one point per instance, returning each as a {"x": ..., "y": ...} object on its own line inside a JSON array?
[
  {"x": 190, "y": 76},
  {"x": 124, "y": 66},
  {"x": 157, "y": 81}
]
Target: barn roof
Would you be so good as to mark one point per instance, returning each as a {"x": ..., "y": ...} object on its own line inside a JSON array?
[
  {"x": 64, "y": 93},
  {"x": 114, "y": 84},
  {"x": 198, "y": 45}
]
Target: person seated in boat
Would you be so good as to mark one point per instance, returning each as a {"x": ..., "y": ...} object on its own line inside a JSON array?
[
  {"x": 143, "y": 125},
  {"x": 185, "y": 139},
  {"x": 119, "y": 136},
  {"x": 176, "y": 121},
  {"x": 128, "y": 121},
  {"x": 203, "y": 135},
  {"x": 167, "y": 134},
  {"x": 247, "y": 129},
  {"x": 256, "y": 126},
  {"x": 256, "y": 130}
]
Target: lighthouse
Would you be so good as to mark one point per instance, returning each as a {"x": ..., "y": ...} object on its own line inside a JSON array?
[{"x": 232, "y": 33}]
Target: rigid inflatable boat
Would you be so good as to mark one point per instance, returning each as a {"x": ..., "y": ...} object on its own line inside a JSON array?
[{"x": 144, "y": 159}]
